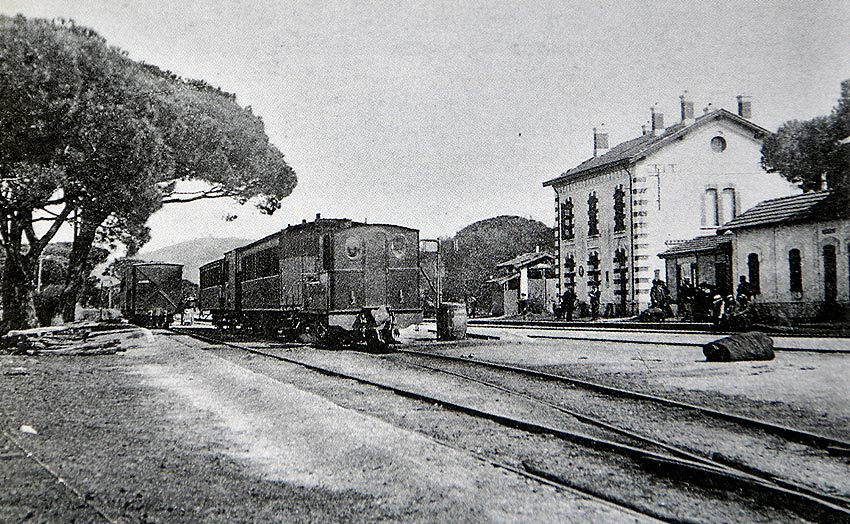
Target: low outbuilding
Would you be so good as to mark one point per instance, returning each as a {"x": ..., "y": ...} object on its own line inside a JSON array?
[
  {"x": 528, "y": 283},
  {"x": 795, "y": 252},
  {"x": 704, "y": 259}
]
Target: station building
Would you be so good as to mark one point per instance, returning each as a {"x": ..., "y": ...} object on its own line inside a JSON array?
[
  {"x": 795, "y": 252},
  {"x": 621, "y": 208}
]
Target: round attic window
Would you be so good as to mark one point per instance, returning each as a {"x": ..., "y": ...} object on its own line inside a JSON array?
[{"x": 718, "y": 144}]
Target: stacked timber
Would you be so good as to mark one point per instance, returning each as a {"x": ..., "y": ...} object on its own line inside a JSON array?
[{"x": 72, "y": 339}]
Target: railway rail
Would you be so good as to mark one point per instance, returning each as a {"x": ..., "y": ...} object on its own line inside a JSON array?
[
  {"x": 661, "y": 334},
  {"x": 659, "y": 327},
  {"x": 657, "y": 461},
  {"x": 81, "y": 507}
]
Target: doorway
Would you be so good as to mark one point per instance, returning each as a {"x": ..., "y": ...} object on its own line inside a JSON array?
[{"x": 830, "y": 274}]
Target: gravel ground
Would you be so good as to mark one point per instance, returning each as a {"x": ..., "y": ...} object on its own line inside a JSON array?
[
  {"x": 167, "y": 433},
  {"x": 598, "y": 472},
  {"x": 805, "y": 390},
  {"x": 683, "y": 428}
]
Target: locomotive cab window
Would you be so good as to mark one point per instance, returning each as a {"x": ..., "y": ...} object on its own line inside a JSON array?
[
  {"x": 398, "y": 246},
  {"x": 353, "y": 248}
]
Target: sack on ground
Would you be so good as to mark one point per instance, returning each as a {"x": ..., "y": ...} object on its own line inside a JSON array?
[{"x": 754, "y": 345}]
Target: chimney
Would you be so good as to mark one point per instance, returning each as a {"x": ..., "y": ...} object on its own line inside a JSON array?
[
  {"x": 643, "y": 129},
  {"x": 687, "y": 110},
  {"x": 657, "y": 121},
  {"x": 745, "y": 106},
  {"x": 318, "y": 216},
  {"x": 303, "y": 220},
  {"x": 600, "y": 142}
]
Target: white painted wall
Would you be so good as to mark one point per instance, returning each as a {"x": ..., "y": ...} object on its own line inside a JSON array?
[
  {"x": 669, "y": 186},
  {"x": 685, "y": 169},
  {"x": 772, "y": 244}
]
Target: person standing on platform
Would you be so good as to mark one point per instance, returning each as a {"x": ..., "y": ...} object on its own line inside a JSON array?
[
  {"x": 687, "y": 294},
  {"x": 744, "y": 292},
  {"x": 568, "y": 303},
  {"x": 593, "y": 297}
]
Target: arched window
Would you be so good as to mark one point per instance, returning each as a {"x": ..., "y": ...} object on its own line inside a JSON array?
[
  {"x": 594, "y": 273},
  {"x": 753, "y": 270},
  {"x": 795, "y": 271},
  {"x": 830, "y": 273},
  {"x": 569, "y": 272},
  {"x": 619, "y": 209},
  {"x": 709, "y": 208}
]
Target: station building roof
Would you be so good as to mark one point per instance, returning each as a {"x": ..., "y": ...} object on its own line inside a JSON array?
[
  {"x": 526, "y": 259},
  {"x": 797, "y": 208},
  {"x": 703, "y": 244},
  {"x": 631, "y": 151}
]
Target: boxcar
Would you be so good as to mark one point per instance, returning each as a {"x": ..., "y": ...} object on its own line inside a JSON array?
[
  {"x": 151, "y": 293},
  {"x": 331, "y": 279}
]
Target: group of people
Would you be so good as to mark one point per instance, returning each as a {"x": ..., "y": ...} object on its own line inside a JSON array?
[
  {"x": 702, "y": 303},
  {"x": 568, "y": 301}
]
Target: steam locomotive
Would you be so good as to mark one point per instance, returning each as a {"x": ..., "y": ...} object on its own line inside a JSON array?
[{"x": 330, "y": 281}]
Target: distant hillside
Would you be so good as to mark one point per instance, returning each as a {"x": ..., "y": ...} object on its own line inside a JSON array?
[{"x": 193, "y": 253}]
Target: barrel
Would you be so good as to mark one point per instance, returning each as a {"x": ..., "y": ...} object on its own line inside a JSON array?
[{"x": 451, "y": 321}]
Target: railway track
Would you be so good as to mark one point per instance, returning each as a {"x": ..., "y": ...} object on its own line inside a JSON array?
[
  {"x": 673, "y": 326},
  {"x": 688, "y": 335},
  {"x": 674, "y": 470}
]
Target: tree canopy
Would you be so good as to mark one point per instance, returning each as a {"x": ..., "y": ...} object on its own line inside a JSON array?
[
  {"x": 809, "y": 152},
  {"x": 471, "y": 256},
  {"x": 89, "y": 135}
]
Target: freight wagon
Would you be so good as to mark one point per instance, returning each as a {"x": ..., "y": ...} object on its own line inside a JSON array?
[{"x": 151, "y": 293}]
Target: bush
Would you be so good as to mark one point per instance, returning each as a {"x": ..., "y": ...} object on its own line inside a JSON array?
[{"x": 48, "y": 303}]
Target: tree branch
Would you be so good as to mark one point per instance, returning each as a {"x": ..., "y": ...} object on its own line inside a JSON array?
[
  {"x": 60, "y": 219},
  {"x": 30, "y": 232},
  {"x": 200, "y": 195}
]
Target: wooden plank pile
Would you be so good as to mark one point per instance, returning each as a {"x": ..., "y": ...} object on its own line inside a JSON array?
[{"x": 84, "y": 338}]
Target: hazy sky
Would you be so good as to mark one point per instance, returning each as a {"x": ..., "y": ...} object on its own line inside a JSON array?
[{"x": 436, "y": 114}]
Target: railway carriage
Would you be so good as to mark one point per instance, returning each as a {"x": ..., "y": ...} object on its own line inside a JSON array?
[
  {"x": 151, "y": 293},
  {"x": 327, "y": 279}
]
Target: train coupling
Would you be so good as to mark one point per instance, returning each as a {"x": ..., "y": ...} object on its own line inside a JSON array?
[{"x": 377, "y": 325}]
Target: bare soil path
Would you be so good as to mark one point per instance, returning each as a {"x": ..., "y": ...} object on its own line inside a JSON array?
[{"x": 165, "y": 432}]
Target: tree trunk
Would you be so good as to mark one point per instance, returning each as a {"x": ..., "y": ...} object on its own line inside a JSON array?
[
  {"x": 78, "y": 267},
  {"x": 18, "y": 294}
]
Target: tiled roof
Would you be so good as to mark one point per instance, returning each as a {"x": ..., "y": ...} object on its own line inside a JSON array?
[
  {"x": 526, "y": 259},
  {"x": 786, "y": 209},
  {"x": 636, "y": 148},
  {"x": 503, "y": 279},
  {"x": 703, "y": 244}
]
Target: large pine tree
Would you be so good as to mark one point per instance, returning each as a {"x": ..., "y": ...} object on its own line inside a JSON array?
[{"x": 811, "y": 152}]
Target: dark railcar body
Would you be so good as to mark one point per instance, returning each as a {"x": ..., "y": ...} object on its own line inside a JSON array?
[
  {"x": 374, "y": 266},
  {"x": 151, "y": 293},
  {"x": 211, "y": 294},
  {"x": 331, "y": 275}
]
